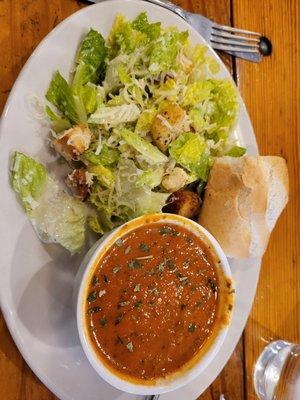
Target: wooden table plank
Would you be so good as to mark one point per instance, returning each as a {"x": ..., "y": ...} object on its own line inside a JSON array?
[{"x": 271, "y": 91}]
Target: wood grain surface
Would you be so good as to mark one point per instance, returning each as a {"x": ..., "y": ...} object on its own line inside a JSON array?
[{"x": 271, "y": 91}]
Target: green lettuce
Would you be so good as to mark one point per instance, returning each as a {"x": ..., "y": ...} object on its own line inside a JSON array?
[
  {"x": 89, "y": 97},
  {"x": 127, "y": 36},
  {"x": 150, "y": 178},
  {"x": 150, "y": 153},
  {"x": 94, "y": 224},
  {"x": 236, "y": 151},
  {"x": 60, "y": 95},
  {"x": 148, "y": 202},
  {"x": 197, "y": 92},
  {"x": 141, "y": 23},
  {"x": 55, "y": 216},
  {"x": 28, "y": 179},
  {"x": 90, "y": 59},
  {"x": 107, "y": 156},
  {"x": 189, "y": 150},
  {"x": 103, "y": 174},
  {"x": 165, "y": 49},
  {"x": 145, "y": 120},
  {"x": 58, "y": 123}
]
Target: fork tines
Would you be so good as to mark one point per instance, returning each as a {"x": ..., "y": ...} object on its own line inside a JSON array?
[{"x": 227, "y": 38}]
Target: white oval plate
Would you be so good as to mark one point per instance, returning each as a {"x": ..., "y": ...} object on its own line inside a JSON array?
[{"x": 36, "y": 280}]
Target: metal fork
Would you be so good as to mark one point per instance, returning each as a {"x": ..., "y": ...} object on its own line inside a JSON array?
[{"x": 241, "y": 43}]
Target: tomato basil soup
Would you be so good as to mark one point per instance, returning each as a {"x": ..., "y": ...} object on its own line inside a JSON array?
[{"x": 153, "y": 300}]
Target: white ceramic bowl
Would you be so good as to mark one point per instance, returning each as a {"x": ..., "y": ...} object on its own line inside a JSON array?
[{"x": 83, "y": 278}]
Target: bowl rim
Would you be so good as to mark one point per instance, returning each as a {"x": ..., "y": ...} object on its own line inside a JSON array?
[{"x": 161, "y": 385}]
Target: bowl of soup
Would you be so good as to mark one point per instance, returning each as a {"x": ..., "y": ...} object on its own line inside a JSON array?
[{"x": 154, "y": 303}]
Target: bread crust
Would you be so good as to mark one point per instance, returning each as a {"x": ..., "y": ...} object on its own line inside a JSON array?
[{"x": 238, "y": 201}]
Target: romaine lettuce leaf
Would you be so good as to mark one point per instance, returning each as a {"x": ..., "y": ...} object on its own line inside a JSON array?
[
  {"x": 236, "y": 151},
  {"x": 58, "y": 123},
  {"x": 28, "y": 179},
  {"x": 150, "y": 178},
  {"x": 103, "y": 174},
  {"x": 90, "y": 59},
  {"x": 165, "y": 49},
  {"x": 144, "y": 122},
  {"x": 150, "y": 153},
  {"x": 60, "y": 94},
  {"x": 107, "y": 156},
  {"x": 89, "y": 97},
  {"x": 123, "y": 38},
  {"x": 148, "y": 202},
  {"x": 94, "y": 224},
  {"x": 197, "y": 92},
  {"x": 151, "y": 30},
  {"x": 189, "y": 150},
  {"x": 116, "y": 115},
  {"x": 56, "y": 216}
]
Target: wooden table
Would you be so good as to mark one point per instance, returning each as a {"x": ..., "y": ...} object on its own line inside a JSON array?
[{"x": 271, "y": 91}]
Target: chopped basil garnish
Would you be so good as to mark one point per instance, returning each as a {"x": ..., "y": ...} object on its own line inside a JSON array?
[
  {"x": 199, "y": 303},
  {"x": 137, "y": 288},
  {"x": 171, "y": 265},
  {"x": 192, "y": 327},
  {"x": 105, "y": 278},
  {"x": 134, "y": 264},
  {"x": 189, "y": 240},
  {"x": 95, "y": 280},
  {"x": 92, "y": 296},
  {"x": 212, "y": 285},
  {"x": 186, "y": 263},
  {"x": 144, "y": 247},
  {"x": 94, "y": 310},
  {"x": 103, "y": 321},
  {"x": 167, "y": 230},
  {"x": 138, "y": 304},
  {"x": 130, "y": 346}
]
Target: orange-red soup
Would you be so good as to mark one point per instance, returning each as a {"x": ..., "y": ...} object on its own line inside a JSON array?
[{"x": 152, "y": 301}]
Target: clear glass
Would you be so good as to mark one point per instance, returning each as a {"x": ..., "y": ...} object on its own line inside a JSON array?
[{"x": 277, "y": 372}]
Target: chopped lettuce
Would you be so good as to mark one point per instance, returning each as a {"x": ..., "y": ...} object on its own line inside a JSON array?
[
  {"x": 94, "y": 224},
  {"x": 89, "y": 96},
  {"x": 56, "y": 216},
  {"x": 150, "y": 153},
  {"x": 58, "y": 123},
  {"x": 144, "y": 122},
  {"x": 28, "y": 179},
  {"x": 165, "y": 50},
  {"x": 125, "y": 36},
  {"x": 60, "y": 94},
  {"x": 115, "y": 115},
  {"x": 103, "y": 174},
  {"x": 90, "y": 59},
  {"x": 107, "y": 156},
  {"x": 197, "y": 92},
  {"x": 236, "y": 151},
  {"x": 150, "y": 178},
  {"x": 148, "y": 202},
  {"x": 151, "y": 30},
  {"x": 189, "y": 150}
]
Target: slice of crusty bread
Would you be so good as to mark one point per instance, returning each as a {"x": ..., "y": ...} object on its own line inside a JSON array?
[{"x": 243, "y": 200}]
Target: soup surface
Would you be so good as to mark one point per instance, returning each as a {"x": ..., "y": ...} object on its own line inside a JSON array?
[{"x": 152, "y": 300}]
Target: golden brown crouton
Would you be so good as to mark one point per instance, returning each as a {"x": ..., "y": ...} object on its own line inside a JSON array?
[
  {"x": 166, "y": 125},
  {"x": 73, "y": 142},
  {"x": 183, "y": 202}
]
